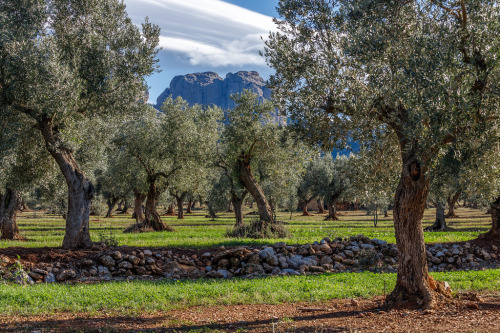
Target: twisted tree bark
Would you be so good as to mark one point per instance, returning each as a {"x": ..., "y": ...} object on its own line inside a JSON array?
[{"x": 9, "y": 204}]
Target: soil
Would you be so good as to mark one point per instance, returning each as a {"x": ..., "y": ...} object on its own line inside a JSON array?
[{"x": 343, "y": 315}]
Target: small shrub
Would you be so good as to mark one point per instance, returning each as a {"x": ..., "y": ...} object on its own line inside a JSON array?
[
  {"x": 109, "y": 240},
  {"x": 252, "y": 230}
]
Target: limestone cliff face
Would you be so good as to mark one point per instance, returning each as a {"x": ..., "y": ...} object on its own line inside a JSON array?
[{"x": 210, "y": 89}]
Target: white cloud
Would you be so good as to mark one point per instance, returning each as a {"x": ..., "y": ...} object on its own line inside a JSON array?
[{"x": 206, "y": 32}]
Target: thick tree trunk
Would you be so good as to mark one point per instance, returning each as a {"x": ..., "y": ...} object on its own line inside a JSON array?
[
  {"x": 9, "y": 204},
  {"x": 332, "y": 211},
  {"x": 304, "y": 209},
  {"x": 494, "y": 232},
  {"x": 238, "y": 207},
  {"x": 80, "y": 190},
  {"x": 170, "y": 210},
  {"x": 138, "y": 210},
  {"x": 440, "y": 223},
  {"x": 152, "y": 218},
  {"x": 321, "y": 209},
  {"x": 412, "y": 284},
  {"x": 452, "y": 200},
  {"x": 189, "y": 206},
  {"x": 252, "y": 186},
  {"x": 111, "y": 203}
]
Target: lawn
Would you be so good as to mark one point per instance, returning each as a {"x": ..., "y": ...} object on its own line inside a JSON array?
[
  {"x": 198, "y": 231},
  {"x": 137, "y": 297}
]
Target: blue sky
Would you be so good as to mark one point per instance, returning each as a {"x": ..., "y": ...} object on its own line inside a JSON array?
[{"x": 206, "y": 35}]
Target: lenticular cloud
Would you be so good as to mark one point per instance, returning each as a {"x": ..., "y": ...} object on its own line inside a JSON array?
[{"x": 206, "y": 32}]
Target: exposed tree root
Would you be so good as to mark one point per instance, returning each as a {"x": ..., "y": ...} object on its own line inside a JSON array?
[{"x": 431, "y": 296}]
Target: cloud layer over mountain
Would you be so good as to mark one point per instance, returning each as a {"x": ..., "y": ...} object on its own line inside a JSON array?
[{"x": 206, "y": 32}]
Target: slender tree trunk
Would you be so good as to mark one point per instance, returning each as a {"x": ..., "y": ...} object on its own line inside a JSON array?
[
  {"x": 111, "y": 203},
  {"x": 138, "y": 210},
  {"x": 332, "y": 211},
  {"x": 412, "y": 284},
  {"x": 440, "y": 223},
  {"x": 125, "y": 208},
  {"x": 494, "y": 232},
  {"x": 80, "y": 190},
  {"x": 452, "y": 201},
  {"x": 180, "y": 203},
  {"x": 189, "y": 206},
  {"x": 321, "y": 209},
  {"x": 238, "y": 207},
  {"x": 152, "y": 218},
  {"x": 252, "y": 186},
  {"x": 9, "y": 204}
]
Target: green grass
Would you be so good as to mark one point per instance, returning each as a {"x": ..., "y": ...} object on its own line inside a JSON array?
[
  {"x": 136, "y": 297},
  {"x": 197, "y": 231}
]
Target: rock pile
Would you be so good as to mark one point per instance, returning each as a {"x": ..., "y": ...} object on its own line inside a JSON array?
[{"x": 338, "y": 255}]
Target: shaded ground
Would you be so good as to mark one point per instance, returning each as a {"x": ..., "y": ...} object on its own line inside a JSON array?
[{"x": 331, "y": 316}]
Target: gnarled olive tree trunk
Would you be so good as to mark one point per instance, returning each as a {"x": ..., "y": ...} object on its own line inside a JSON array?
[
  {"x": 452, "y": 201},
  {"x": 9, "y": 204},
  {"x": 412, "y": 284},
  {"x": 247, "y": 179},
  {"x": 80, "y": 189},
  {"x": 494, "y": 232},
  {"x": 321, "y": 209},
  {"x": 152, "y": 218},
  {"x": 237, "y": 202},
  {"x": 332, "y": 208},
  {"x": 139, "y": 198},
  {"x": 440, "y": 223},
  {"x": 111, "y": 203},
  {"x": 190, "y": 206}
]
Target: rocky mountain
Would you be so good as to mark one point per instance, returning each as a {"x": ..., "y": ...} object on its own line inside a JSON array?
[{"x": 210, "y": 89}]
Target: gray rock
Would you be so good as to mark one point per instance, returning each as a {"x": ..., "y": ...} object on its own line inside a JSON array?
[
  {"x": 49, "y": 278},
  {"x": 317, "y": 269},
  {"x": 103, "y": 271},
  {"x": 148, "y": 253},
  {"x": 133, "y": 260},
  {"x": 276, "y": 271},
  {"x": 108, "y": 261},
  {"x": 325, "y": 248},
  {"x": 289, "y": 272},
  {"x": 367, "y": 246},
  {"x": 266, "y": 253},
  {"x": 253, "y": 268},
  {"x": 22, "y": 278},
  {"x": 325, "y": 260},
  {"x": 440, "y": 254},
  {"x": 125, "y": 264},
  {"x": 279, "y": 245},
  {"x": 117, "y": 255},
  {"x": 349, "y": 253},
  {"x": 66, "y": 274},
  {"x": 224, "y": 274},
  {"x": 379, "y": 242}
]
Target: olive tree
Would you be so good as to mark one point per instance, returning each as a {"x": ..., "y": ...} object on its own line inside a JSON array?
[
  {"x": 254, "y": 148},
  {"x": 66, "y": 61},
  {"x": 170, "y": 145},
  {"x": 426, "y": 70}
]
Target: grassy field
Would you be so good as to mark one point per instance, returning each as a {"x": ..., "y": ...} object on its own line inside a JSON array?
[
  {"x": 197, "y": 231},
  {"x": 137, "y": 297}
]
